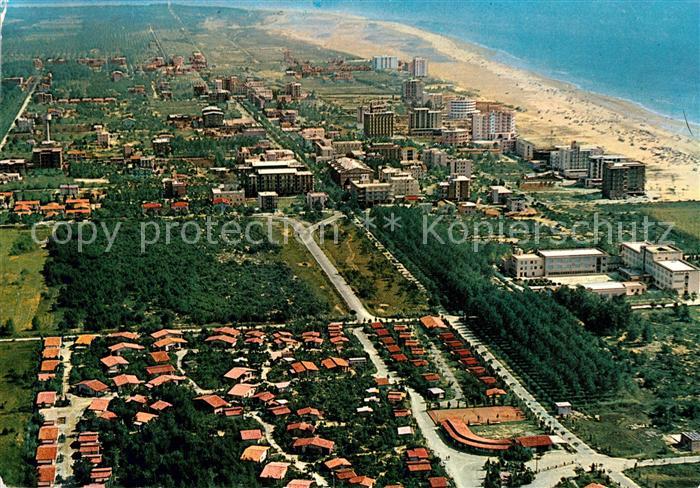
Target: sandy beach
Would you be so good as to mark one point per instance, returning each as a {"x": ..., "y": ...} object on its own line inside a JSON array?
[{"x": 549, "y": 111}]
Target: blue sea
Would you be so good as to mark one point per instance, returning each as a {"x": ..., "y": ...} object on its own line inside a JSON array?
[{"x": 647, "y": 52}]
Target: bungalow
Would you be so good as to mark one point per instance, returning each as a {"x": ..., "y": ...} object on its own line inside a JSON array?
[
  {"x": 48, "y": 434},
  {"x": 160, "y": 405},
  {"x": 334, "y": 362},
  {"x": 160, "y": 357},
  {"x": 163, "y": 333},
  {"x": 123, "y": 346},
  {"x": 49, "y": 366},
  {"x": 113, "y": 363},
  {"x": 264, "y": 396},
  {"x": 46, "y": 454},
  {"x": 301, "y": 367},
  {"x": 45, "y": 399},
  {"x": 242, "y": 390},
  {"x": 363, "y": 481},
  {"x": 405, "y": 430},
  {"x": 99, "y": 405},
  {"x": 309, "y": 411},
  {"x": 138, "y": 399},
  {"x": 169, "y": 343},
  {"x": 336, "y": 463},
  {"x": 430, "y": 322},
  {"x": 214, "y": 402},
  {"x": 84, "y": 341},
  {"x": 438, "y": 482},
  {"x": 300, "y": 484},
  {"x": 239, "y": 373},
  {"x": 280, "y": 411},
  {"x": 316, "y": 445},
  {"x": 251, "y": 435},
  {"x": 222, "y": 340},
  {"x": 142, "y": 418},
  {"x": 364, "y": 410},
  {"x": 100, "y": 475},
  {"x": 129, "y": 336},
  {"x": 274, "y": 471},
  {"x": 228, "y": 331},
  {"x": 126, "y": 380},
  {"x": 298, "y": 429},
  {"x": 51, "y": 353},
  {"x": 46, "y": 475},
  {"x": 160, "y": 369},
  {"x": 255, "y": 454},
  {"x": 163, "y": 379},
  {"x": 419, "y": 453},
  {"x": 52, "y": 342},
  {"x": 92, "y": 388}
]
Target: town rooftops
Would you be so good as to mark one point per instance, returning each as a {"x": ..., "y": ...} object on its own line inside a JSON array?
[{"x": 126, "y": 379}]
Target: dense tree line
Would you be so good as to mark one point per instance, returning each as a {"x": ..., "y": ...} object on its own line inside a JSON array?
[
  {"x": 545, "y": 341},
  {"x": 205, "y": 282},
  {"x": 600, "y": 315}
]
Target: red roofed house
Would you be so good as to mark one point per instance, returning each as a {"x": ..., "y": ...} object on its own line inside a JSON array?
[
  {"x": 126, "y": 380},
  {"x": 240, "y": 374},
  {"x": 274, "y": 471},
  {"x": 46, "y": 454},
  {"x": 113, "y": 363},
  {"x": 46, "y": 475},
  {"x": 213, "y": 402},
  {"x": 92, "y": 388},
  {"x": 313, "y": 444},
  {"x": 430, "y": 322},
  {"x": 251, "y": 435},
  {"x": 160, "y": 357},
  {"x": 45, "y": 399},
  {"x": 222, "y": 340},
  {"x": 301, "y": 367},
  {"x": 242, "y": 390}
]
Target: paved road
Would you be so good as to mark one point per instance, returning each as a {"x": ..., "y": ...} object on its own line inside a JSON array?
[{"x": 19, "y": 114}]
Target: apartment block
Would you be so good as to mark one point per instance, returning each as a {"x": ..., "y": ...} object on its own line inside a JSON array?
[
  {"x": 384, "y": 62},
  {"x": 419, "y": 67},
  {"x": 624, "y": 179},
  {"x": 371, "y": 192},
  {"x": 378, "y": 124},
  {"x": 424, "y": 121},
  {"x": 344, "y": 170},
  {"x": 460, "y": 167},
  {"x": 572, "y": 161},
  {"x": 435, "y": 157},
  {"x": 460, "y": 108},
  {"x": 412, "y": 91}
]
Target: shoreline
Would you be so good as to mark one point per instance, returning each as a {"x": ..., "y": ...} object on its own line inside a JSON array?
[{"x": 550, "y": 111}]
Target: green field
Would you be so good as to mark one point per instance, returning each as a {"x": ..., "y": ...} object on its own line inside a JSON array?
[
  {"x": 684, "y": 215},
  {"x": 23, "y": 292},
  {"x": 18, "y": 363},
  {"x": 380, "y": 286},
  {"x": 672, "y": 476}
]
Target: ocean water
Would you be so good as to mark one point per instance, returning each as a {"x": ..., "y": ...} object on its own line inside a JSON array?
[
  {"x": 647, "y": 52},
  {"x": 644, "y": 51}
]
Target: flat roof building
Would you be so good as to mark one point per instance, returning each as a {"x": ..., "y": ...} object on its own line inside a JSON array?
[
  {"x": 664, "y": 265},
  {"x": 558, "y": 262}
]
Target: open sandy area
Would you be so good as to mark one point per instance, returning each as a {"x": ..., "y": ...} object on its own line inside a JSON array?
[
  {"x": 479, "y": 415},
  {"x": 550, "y": 112}
]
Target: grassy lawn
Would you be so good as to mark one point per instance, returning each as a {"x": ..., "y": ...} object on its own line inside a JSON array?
[
  {"x": 684, "y": 215},
  {"x": 18, "y": 363},
  {"x": 672, "y": 476},
  {"x": 23, "y": 293},
  {"x": 305, "y": 266},
  {"x": 382, "y": 289}
]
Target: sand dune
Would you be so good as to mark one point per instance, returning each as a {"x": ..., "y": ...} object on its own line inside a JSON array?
[{"x": 549, "y": 111}]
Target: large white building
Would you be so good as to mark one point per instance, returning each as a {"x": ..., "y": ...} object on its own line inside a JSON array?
[
  {"x": 384, "y": 62},
  {"x": 572, "y": 161},
  {"x": 558, "y": 262},
  {"x": 664, "y": 264}
]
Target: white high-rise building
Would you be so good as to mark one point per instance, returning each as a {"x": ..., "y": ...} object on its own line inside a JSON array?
[
  {"x": 419, "y": 67},
  {"x": 385, "y": 62},
  {"x": 460, "y": 108}
]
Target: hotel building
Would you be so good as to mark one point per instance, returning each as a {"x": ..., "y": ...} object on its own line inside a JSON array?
[
  {"x": 623, "y": 179},
  {"x": 558, "y": 262},
  {"x": 663, "y": 263}
]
